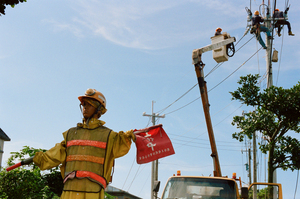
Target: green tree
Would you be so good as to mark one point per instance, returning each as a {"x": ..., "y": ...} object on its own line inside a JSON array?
[
  {"x": 277, "y": 111},
  {"x": 107, "y": 196},
  {"x": 12, "y": 3},
  {"x": 261, "y": 193},
  {"x": 29, "y": 181}
]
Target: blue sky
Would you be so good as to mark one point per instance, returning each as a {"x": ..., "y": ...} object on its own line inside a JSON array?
[{"x": 135, "y": 52}]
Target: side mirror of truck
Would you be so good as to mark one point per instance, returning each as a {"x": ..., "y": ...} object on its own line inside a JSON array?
[
  {"x": 156, "y": 186},
  {"x": 244, "y": 192}
]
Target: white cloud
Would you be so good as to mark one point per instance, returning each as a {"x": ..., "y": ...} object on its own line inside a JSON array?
[
  {"x": 149, "y": 25},
  {"x": 60, "y": 26}
]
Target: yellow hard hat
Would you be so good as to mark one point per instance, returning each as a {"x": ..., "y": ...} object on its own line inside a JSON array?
[
  {"x": 256, "y": 13},
  {"x": 96, "y": 95},
  {"x": 220, "y": 29}
]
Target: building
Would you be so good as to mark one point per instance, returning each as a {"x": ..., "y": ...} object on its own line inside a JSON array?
[
  {"x": 3, "y": 137},
  {"x": 119, "y": 194}
]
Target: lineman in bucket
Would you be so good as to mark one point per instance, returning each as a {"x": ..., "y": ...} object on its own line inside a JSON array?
[{"x": 87, "y": 152}]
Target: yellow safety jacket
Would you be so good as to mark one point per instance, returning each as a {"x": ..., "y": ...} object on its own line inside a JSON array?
[{"x": 117, "y": 145}]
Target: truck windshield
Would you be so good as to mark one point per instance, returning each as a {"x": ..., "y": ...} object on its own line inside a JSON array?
[{"x": 199, "y": 188}]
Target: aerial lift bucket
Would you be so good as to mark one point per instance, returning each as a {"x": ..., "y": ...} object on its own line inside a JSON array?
[{"x": 220, "y": 54}]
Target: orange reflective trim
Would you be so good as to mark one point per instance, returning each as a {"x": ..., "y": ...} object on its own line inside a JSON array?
[
  {"x": 98, "y": 144},
  {"x": 88, "y": 174},
  {"x": 87, "y": 158}
]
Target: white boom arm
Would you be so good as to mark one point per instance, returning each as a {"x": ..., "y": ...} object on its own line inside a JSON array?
[{"x": 197, "y": 52}]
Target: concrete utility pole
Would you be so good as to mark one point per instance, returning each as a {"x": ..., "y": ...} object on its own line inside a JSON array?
[
  {"x": 154, "y": 166},
  {"x": 270, "y": 72},
  {"x": 254, "y": 166},
  {"x": 249, "y": 154},
  {"x": 270, "y": 76},
  {"x": 249, "y": 163}
]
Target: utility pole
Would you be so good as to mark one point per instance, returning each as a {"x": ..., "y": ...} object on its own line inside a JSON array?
[
  {"x": 249, "y": 154},
  {"x": 270, "y": 73},
  {"x": 249, "y": 163},
  {"x": 268, "y": 53},
  {"x": 154, "y": 166},
  {"x": 254, "y": 166}
]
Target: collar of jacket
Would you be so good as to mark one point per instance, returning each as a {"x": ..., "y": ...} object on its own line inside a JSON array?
[{"x": 93, "y": 123}]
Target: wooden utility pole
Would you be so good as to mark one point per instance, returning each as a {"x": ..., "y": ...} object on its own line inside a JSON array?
[{"x": 154, "y": 166}]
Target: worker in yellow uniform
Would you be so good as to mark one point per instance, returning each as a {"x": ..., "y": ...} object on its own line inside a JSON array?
[{"x": 87, "y": 152}]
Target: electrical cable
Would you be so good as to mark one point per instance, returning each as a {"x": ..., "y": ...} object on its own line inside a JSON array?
[
  {"x": 204, "y": 121},
  {"x": 133, "y": 178},
  {"x": 192, "y": 138},
  {"x": 280, "y": 59},
  {"x": 257, "y": 58},
  {"x": 186, "y": 144},
  {"x": 144, "y": 183},
  {"x": 214, "y": 68},
  {"x": 178, "y": 99},
  {"x": 245, "y": 43},
  {"x": 203, "y": 133},
  {"x": 296, "y": 184},
  {"x": 182, "y": 106},
  {"x": 228, "y": 115},
  {"x": 128, "y": 173},
  {"x": 234, "y": 71},
  {"x": 205, "y": 142},
  {"x": 148, "y": 122}
]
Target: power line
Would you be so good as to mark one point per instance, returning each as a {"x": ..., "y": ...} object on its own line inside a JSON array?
[
  {"x": 133, "y": 178},
  {"x": 203, "y": 121},
  {"x": 229, "y": 115},
  {"x": 144, "y": 183},
  {"x": 206, "y": 143},
  {"x": 128, "y": 173},
  {"x": 183, "y": 106},
  {"x": 203, "y": 133},
  {"x": 280, "y": 58},
  {"x": 185, "y": 144},
  {"x": 178, "y": 98},
  {"x": 296, "y": 184},
  {"x": 234, "y": 71},
  {"x": 188, "y": 137}
]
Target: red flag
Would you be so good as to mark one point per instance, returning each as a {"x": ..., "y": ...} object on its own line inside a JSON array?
[{"x": 152, "y": 143}]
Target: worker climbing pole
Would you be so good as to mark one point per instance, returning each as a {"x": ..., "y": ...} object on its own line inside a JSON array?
[{"x": 262, "y": 21}]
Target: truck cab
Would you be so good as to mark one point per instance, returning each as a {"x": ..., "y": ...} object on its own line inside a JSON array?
[{"x": 200, "y": 187}]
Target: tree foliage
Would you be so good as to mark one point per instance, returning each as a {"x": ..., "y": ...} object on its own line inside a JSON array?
[
  {"x": 261, "y": 193},
  {"x": 12, "y": 3},
  {"x": 108, "y": 196},
  {"x": 29, "y": 182},
  {"x": 277, "y": 111}
]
